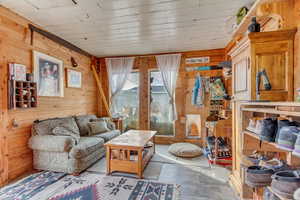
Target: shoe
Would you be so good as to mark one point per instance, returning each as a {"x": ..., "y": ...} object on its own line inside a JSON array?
[
  {"x": 258, "y": 176},
  {"x": 283, "y": 123},
  {"x": 268, "y": 130},
  {"x": 296, "y": 150},
  {"x": 258, "y": 127},
  {"x": 287, "y": 137},
  {"x": 274, "y": 164},
  {"x": 285, "y": 183},
  {"x": 252, "y": 125}
]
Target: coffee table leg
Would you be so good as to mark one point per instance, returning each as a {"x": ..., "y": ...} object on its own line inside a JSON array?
[
  {"x": 140, "y": 163},
  {"x": 108, "y": 154}
]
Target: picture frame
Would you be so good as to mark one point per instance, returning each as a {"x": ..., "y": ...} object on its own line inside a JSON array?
[
  {"x": 193, "y": 126},
  {"x": 74, "y": 78},
  {"x": 48, "y": 74}
]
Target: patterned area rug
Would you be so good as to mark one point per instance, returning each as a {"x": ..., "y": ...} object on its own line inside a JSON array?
[
  {"x": 152, "y": 170},
  {"x": 121, "y": 188},
  {"x": 30, "y": 186}
]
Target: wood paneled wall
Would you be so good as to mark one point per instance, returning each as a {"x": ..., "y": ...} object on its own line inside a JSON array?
[
  {"x": 297, "y": 46},
  {"x": 145, "y": 63},
  {"x": 15, "y": 46}
]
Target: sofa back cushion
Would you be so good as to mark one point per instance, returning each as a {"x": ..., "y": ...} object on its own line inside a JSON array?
[
  {"x": 45, "y": 127},
  {"x": 82, "y": 122}
]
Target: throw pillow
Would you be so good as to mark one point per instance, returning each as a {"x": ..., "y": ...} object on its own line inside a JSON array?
[
  {"x": 60, "y": 130},
  {"x": 109, "y": 123},
  {"x": 97, "y": 127}
]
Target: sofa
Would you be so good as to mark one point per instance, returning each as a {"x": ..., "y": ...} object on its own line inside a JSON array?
[{"x": 66, "y": 145}]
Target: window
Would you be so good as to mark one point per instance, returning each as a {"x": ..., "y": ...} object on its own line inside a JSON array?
[
  {"x": 159, "y": 105},
  {"x": 127, "y": 102}
]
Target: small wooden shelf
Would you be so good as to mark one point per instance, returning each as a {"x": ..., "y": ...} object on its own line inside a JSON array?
[
  {"x": 212, "y": 72},
  {"x": 254, "y": 135},
  {"x": 272, "y": 111},
  {"x": 22, "y": 94}
]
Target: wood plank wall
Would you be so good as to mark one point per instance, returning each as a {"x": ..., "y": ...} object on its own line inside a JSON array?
[
  {"x": 297, "y": 46},
  {"x": 16, "y": 157},
  {"x": 145, "y": 63}
]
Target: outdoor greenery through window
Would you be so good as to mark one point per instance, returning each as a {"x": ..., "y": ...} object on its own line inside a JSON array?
[
  {"x": 127, "y": 102},
  {"x": 159, "y": 104}
]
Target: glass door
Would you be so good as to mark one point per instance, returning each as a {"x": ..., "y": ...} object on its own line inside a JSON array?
[
  {"x": 127, "y": 102},
  {"x": 159, "y": 106}
]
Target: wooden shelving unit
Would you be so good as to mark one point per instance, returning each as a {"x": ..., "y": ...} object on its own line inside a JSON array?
[
  {"x": 22, "y": 94},
  {"x": 245, "y": 141}
]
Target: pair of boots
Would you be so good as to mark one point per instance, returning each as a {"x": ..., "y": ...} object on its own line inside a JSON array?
[{"x": 266, "y": 82}]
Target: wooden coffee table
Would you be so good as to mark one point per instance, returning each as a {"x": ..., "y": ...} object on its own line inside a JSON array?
[{"x": 130, "y": 152}]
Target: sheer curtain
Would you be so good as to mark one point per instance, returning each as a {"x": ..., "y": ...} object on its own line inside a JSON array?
[
  {"x": 118, "y": 70},
  {"x": 169, "y": 66}
]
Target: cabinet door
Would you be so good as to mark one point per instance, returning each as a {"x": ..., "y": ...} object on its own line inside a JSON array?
[
  {"x": 241, "y": 86},
  {"x": 274, "y": 58}
]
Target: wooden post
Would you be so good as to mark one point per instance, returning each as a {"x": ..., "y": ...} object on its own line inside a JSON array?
[{"x": 100, "y": 89}]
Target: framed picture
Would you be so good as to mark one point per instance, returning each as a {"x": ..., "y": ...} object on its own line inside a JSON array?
[
  {"x": 193, "y": 126},
  {"x": 73, "y": 78},
  {"x": 48, "y": 73}
]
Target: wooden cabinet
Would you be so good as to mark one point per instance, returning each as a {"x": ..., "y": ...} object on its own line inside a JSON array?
[{"x": 271, "y": 51}]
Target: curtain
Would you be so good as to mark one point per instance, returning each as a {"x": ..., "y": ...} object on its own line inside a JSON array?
[
  {"x": 118, "y": 70},
  {"x": 169, "y": 66}
]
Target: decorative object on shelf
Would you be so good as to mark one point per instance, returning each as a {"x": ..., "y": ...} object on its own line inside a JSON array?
[
  {"x": 242, "y": 12},
  {"x": 198, "y": 60},
  {"x": 48, "y": 73},
  {"x": 29, "y": 77},
  {"x": 17, "y": 72},
  {"x": 254, "y": 26},
  {"x": 74, "y": 63},
  {"x": 266, "y": 82},
  {"x": 74, "y": 78}
]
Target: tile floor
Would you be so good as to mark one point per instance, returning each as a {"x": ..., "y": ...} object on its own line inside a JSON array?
[{"x": 198, "y": 180}]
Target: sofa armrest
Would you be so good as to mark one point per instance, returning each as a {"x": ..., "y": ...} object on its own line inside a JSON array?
[{"x": 51, "y": 143}]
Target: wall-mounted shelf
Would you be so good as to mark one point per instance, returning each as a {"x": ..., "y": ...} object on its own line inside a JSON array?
[{"x": 22, "y": 94}]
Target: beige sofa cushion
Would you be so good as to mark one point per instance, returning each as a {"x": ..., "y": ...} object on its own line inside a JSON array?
[
  {"x": 108, "y": 135},
  {"x": 187, "y": 150},
  {"x": 97, "y": 127},
  {"x": 51, "y": 143},
  {"x": 86, "y": 146}
]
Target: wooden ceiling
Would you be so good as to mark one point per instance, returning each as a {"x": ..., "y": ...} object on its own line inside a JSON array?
[{"x": 131, "y": 27}]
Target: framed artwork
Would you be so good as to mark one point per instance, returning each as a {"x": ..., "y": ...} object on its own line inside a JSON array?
[
  {"x": 193, "y": 126},
  {"x": 73, "y": 79},
  {"x": 48, "y": 73}
]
